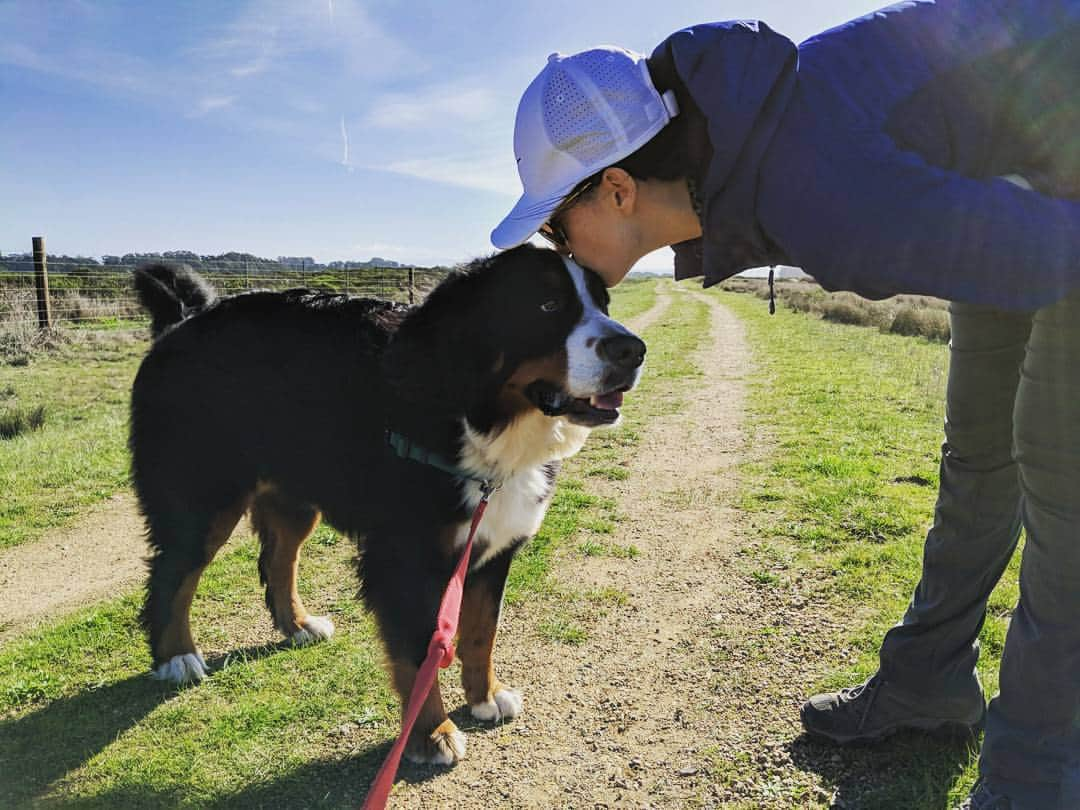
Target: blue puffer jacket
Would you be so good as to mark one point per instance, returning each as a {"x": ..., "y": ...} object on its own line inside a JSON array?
[{"x": 869, "y": 155}]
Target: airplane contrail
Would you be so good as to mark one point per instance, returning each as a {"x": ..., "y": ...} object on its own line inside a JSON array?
[{"x": 344, "y": 143}]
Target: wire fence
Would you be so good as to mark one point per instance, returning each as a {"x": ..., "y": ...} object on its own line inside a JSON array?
[{"x": 87, "y": 294}]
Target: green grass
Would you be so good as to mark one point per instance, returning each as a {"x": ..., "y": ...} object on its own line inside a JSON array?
[
  {"x": 82, "y": 725},
  {"x": 842, "y": 501},
  {"x": 78, "y": 457},
  {"x": 633, "y": 297}
]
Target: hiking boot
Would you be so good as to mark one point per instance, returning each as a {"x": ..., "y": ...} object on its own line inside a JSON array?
[
  {"x": 983, "y": 797},
  {"x": 874, "y": 709}
]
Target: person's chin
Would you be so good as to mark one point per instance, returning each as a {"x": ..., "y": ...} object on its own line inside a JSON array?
[{"x": 610, "y": 276}]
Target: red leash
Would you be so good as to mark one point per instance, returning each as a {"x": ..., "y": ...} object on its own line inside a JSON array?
[{"x": 440, "y": 655}]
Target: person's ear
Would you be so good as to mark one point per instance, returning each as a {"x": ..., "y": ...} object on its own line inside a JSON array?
[{"x": 622, "y": 188}]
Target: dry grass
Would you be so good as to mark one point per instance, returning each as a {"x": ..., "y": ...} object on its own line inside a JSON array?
[
  {"x": 912, "y": 315},
  {"x": 21, "y": 341},
  {"x": 925, "y": 322},
  {"x": 76, "y": 307}
]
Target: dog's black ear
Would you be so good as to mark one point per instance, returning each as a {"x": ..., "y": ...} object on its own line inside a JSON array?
[{"x": 441, "y": 359}]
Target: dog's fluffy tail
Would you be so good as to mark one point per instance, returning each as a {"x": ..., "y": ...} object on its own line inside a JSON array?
[{"x": 171, "y": 292}]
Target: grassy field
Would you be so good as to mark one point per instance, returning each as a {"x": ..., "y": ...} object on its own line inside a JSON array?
[
  {"x": 82, "y": 725},
  {"x": 840, "y": 505},
  {"x": 79, "y": 456}
]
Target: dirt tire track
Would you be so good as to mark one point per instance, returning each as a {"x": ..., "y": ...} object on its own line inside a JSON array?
[
  {"x": 73, "y": 566},
  {"x": 654, "y": 313}
]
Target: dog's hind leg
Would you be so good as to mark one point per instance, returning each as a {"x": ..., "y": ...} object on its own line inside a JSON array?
[
  {"x": 184, "y": 545},
  {"x": 283, "y": 525},
  {"x": 488, "y": 698}
]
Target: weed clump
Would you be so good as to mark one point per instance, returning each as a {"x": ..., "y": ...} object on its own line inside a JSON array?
[
  {"x": 909, "y": 315},
  {"x": 932, "y": 324},
  {"x": 21, "y": 420}
]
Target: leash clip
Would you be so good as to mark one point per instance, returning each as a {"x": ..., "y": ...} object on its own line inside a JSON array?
[{"x": 487, "y": 489}]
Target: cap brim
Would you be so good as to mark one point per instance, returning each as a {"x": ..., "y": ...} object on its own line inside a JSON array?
[{"x": 524, "y": 219}]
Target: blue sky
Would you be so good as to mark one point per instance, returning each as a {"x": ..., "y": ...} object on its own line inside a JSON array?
[{"x": 328, "y": 128}]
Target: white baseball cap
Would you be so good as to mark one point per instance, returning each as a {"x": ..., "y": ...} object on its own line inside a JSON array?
[{"x": 580, "y": 115}]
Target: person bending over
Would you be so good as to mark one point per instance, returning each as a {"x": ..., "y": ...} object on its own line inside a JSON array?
[{"x": 929, "y": 148}]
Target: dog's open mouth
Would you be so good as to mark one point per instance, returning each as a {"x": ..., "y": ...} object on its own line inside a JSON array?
[{"x": 599, "y": 409}]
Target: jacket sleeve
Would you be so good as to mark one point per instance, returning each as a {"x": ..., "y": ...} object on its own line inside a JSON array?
[
  {"x": 859, "y": 214},
  {"x": 863, "y": 210}
]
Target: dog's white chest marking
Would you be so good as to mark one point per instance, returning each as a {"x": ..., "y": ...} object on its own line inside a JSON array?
[
  {"x": 516, "y": 510},
  {"x": 516, "y": 457}
]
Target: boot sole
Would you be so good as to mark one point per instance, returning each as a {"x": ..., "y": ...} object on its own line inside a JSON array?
[{"x": 936, "y": 728}]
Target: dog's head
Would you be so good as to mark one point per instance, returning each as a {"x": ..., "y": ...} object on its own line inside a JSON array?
[{"x": 524, "y": 330}]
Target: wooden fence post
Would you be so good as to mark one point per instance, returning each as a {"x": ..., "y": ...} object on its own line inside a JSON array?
[
  {"x": 41, "y": 282},
  {"x": 412, "y": 287}
]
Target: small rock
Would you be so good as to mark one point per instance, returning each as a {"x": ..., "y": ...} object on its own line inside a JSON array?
[{"x": 690, "y": 770}]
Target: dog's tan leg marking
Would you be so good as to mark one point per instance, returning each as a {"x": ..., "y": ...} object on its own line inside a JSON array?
[
  {"x": 176, "y": 638},
  {"x": 487, "y": 697},
  {"x": 435, "y": 739},
  {"x": 476, "y": 645},
  {"x": 283, "y": 526}
]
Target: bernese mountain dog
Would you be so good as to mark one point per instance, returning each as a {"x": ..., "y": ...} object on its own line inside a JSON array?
[{"x": 382, "y": 420}]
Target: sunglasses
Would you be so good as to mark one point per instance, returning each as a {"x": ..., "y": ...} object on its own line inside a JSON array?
[{"x": 552, "y": 230}]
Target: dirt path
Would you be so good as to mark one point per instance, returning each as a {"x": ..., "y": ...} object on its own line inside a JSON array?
[
  {"x": 73, "y": 566},
  {"x": 637, "y": 715},
  {"x": 654, "y": 313}
]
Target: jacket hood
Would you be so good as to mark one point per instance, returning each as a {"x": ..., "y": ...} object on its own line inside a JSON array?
[{"x": 740, "y": 74}]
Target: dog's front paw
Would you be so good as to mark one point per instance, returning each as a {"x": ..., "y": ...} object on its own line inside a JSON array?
[
  {"x": 313, "y": 629},
  {"x": 505, "y": 704},
  {"x": 444, "y": 746},
  {"x": 188, "y": 668}
]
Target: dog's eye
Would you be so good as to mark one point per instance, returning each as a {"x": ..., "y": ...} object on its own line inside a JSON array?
[{"x": 551, "y": 306}]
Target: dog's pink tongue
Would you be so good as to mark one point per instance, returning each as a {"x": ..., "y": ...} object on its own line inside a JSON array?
[{"x": 608, "y": 402}]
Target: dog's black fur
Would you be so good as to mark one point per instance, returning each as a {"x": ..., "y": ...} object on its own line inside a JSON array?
[{"x": 278, "y": 403}]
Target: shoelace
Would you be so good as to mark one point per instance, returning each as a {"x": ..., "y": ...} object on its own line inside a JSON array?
[
  {"x": 983, "y": 798},
  {"x": 851, "y": 694}
]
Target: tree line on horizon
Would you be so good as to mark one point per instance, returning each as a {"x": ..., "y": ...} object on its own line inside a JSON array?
[{"x": 224, "y": 262}]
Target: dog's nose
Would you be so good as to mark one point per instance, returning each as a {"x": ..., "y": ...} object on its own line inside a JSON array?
[{"x": 624, "y": 351}]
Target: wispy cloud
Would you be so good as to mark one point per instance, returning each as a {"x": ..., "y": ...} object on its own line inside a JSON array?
[
  {"x": 483, "y": 172},
  {"x": 432, "y": 106},
  {"x": 211, "y": 103},
  {"x": 113, "y": 71},
  {"x": 260, "y": 64},
  {"x": 255, "y": 66},
  {"x": 292, "y": 40}
]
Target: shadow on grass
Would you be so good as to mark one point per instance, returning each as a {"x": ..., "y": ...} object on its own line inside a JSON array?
[
  {"x": 330, "y": 783},
  {"x": 42, "y": 747},
  {"x": 340, "y": 782},
  {"x": 909, "y": 771}
]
